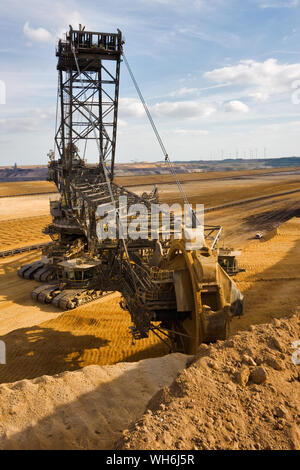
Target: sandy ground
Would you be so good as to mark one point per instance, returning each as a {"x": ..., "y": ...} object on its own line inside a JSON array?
[
  {"x": 26, "y": 187},
  {"x": 241, "y": 223},
  {"x": 240, "y": 394},
  {"x": 210, "y": 192},
  {"x": 86, "y": 409},
  {"x": 22, "y": 220},
  {"x": 42, "y": 340},
  {"x": 17, "y": 310},
  {"x": 205, "y": 176},
  {"x": 98, "y": 333},
  {"x": 221, "y": 191},
  {"x": 30, "y": 187},
  {"x": 24, "y": 206},
  {"x": 16, "y": 233},
  {"x": 272, "y": 278}
]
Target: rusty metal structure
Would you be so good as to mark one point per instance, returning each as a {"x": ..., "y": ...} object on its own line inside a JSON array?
[{"x": 183, "y": 296}]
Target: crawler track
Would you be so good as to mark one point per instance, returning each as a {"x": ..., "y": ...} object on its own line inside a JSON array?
[{"x": 66, "y": 299}]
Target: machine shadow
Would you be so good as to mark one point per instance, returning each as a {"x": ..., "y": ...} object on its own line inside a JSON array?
[
  {"x": 32, "y": 352},
  {"x": 270, "y": 219},
  {"x": 69, "y": 342}
]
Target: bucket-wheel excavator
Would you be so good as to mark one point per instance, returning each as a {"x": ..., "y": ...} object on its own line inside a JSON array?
[{"x": 183, "y": 295}]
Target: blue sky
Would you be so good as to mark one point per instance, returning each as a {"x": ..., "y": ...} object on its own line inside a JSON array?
[{"x": 218, "y": 76}]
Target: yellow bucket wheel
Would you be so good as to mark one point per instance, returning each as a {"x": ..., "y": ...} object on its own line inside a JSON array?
[{"x": 202, "y": 288}]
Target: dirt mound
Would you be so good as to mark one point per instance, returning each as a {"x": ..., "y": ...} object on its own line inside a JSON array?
[
  {"x": 86, "y": 409},
  {"x": 243, "y": 393}
]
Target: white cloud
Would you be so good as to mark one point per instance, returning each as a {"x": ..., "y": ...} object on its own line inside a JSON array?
[
  {"x": 73, "y": 18},
  {"x": 189, "y": 132},
  {"x": 39, "y": 118},
  {"x": 259, "y": 97},
  {"x": 26, "y": 124},
  {"x": 278, "y": 4},
  {"x": 184, "y": 91},
  {"x": 290, "y": 127},
  {"x": 236, "y": 107},
  {"x": 269, "y": 77},
  {"x": 220, "y": 37},
  {"x": 197, "y": 4},
  {"x": 39, "y": 34},
  {"x": 122, "y": 123},
  {"x": 182, "y": 109},
  {"x": 130, "y": 107}
]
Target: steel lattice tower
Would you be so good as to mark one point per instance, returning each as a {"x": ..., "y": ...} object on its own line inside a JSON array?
[{"x": 89, "y": 70}]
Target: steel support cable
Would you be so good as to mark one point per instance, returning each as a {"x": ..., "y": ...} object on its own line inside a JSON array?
[
  {"x": 85, "y": 144},
  {"x": 106, "y": 175},
  {"x": 56, "y": 117}
]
